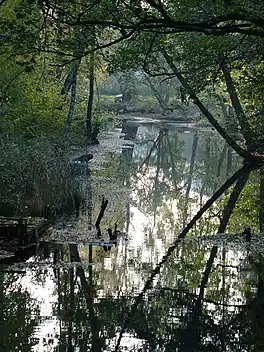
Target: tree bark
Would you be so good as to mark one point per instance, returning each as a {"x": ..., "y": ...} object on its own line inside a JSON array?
[{"x": 69, "y": 80}]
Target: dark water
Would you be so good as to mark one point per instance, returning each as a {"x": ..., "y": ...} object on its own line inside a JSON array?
[{"x": 208, "y": 295}]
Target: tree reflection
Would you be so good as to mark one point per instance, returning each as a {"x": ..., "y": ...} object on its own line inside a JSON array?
[
  {"x": 169, "y": 182},
  {"x": 160, "y": 174},
  {"x": 178, "y": 312},
  {"x": 197, "y": 300},
  {"x": 87, "y": 320},
  {"x": 177, "y": 317},
  {"x": 19, "y": 315}
]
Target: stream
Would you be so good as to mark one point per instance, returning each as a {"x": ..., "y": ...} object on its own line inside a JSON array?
[{"x": 75, "y": 296}]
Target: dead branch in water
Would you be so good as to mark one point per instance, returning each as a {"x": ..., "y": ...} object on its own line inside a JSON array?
[{"x": 101, "y": 214}]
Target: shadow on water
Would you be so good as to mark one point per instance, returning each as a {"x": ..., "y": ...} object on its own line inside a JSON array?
[{"x": 71, "y": 294}]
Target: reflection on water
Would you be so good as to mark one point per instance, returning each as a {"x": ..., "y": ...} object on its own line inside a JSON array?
[
  {"x": 69, "y": 306},
  {"x": 72, "y": 296}
]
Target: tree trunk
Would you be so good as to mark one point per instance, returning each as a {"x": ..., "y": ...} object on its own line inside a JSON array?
[
  {"x": 71, "y": 79},
  {"x": 81, "y": 42},
  {"x": 157, "y": 94},
  {"x": 71, "y": 107},
  {"x": 242, "y": 119},
  {"x": 90, "y": 99},
  {"x": 261, "y": 195},
  {"x": 231, "y": 122},
  {"x": 242, "y": 152}
]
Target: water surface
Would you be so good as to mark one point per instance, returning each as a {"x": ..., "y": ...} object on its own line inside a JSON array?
[{"x": 208, "y": 295}]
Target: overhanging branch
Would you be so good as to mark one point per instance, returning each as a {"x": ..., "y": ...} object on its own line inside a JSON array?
[{"x": 242, "y": 152}]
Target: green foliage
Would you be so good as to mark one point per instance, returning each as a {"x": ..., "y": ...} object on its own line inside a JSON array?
[
  {"x": 20, "y": 23},
  {"x": 60, "y": 33},
  {"x": 246, "y": 211},
  {"x": 33, "y": 174},
  {"x": 30, "y": 102},
  {"x": 39, "y": 37}
]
